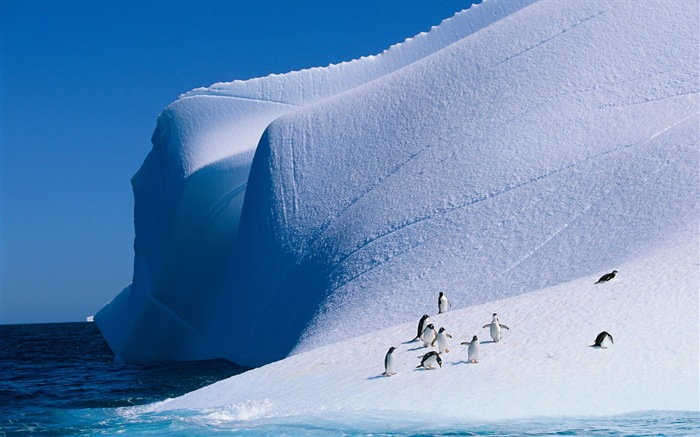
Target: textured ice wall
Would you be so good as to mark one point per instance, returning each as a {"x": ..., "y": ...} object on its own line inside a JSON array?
[
  {"x": 189, "y": 192},
  {"x": 559, "y": 141}
]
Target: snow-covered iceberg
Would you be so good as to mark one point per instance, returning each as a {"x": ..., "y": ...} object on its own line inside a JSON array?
[{"x": 515, "y": 147}]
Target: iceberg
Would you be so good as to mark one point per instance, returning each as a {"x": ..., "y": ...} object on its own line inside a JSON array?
[
  {"x": 504, "y": 158},
  {"x": 189, "y": 194}
]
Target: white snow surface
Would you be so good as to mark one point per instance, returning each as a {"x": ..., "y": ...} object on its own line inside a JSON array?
[
  {"x": 543, "y": 366},
  {"x": 508, "y": 158}
]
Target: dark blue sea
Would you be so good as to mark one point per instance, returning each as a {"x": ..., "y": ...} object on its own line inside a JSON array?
[{"x": 61, "y": 379}]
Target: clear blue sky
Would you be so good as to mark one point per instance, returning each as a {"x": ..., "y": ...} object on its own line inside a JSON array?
[{"x": 82, "y": 85}]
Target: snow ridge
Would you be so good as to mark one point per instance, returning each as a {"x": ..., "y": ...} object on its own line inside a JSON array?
[{"x": 311, "y": 85}]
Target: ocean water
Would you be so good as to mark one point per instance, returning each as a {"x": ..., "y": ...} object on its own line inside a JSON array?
[{"x": 61, "y": 379}]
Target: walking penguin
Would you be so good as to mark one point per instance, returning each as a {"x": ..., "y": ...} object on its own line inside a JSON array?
[
  {"x": 429, "y": 335},
  {"x": 429, "y": 360},
  {"x": 473, "y": 351},
  {"x": 442, "y": 340},
  {"x": 606, "y": 277},
  {"x": 421, "y": 327},
  {"x": 600, "y": 339},
  {"x": 443, "y": 303},
  {"x": 495, "y": 328},
  {"x": 390, "y": 362}
]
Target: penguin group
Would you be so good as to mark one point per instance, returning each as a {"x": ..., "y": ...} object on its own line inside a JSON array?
[{"x": 427, "y": 334}]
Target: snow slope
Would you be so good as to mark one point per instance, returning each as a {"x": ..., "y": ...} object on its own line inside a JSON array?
[
  {"x": 543, "y": 366},
  {"x": 536, "y": 145}
]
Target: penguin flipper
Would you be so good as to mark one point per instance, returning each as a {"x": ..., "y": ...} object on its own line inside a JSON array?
[
  {"x": 448, "y": 335},
  {"x": 488, "y": 325},
  {"x": 504, "y": 327},
  {"x": 465, "y": 343}
]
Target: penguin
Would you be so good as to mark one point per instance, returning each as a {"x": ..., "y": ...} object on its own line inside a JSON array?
[
  {"x": 429, "y": 336},
  {"x": 421, "y": 326},
  {"x": 496, "y": 327},
  {"x": 390, "y": 362},
  {"x": 473, "y": 351},
  {"x": 442, "y": 340},
  {"x": 601, "y": 338},
  {"x": 606, "y": 277},
  {"x": 429, "y": 360},
  {"x": 443, "y": 303}
]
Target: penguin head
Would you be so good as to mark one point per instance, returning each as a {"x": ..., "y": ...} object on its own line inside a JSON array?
[
  {"x": 442, "y": 294},
  {"x": 439, "y": 360},
  {"x": 614, "y": 272},
  {"x": 475, "y": 338},
  {"x": 430, "y": 326},
  {"x": 392, "y": 349},
  {"x": 442, "y": 329}
]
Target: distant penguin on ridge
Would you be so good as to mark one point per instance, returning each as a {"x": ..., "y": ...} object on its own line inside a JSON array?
[
  {"x": 442, "y": 337},
  {"x": 473, "y": 351},
  {"x": 421, "y": 327},
  {"x": 429, "y": 360},
  {"x": 606, "y": 277},
  {"x": 600, "y": 339},
  {"x": 429, "y": 335},
  {"x": 390, "y": 362},
  {"x": 443, "y": 303},
  {"x": 495, "y": 328}
]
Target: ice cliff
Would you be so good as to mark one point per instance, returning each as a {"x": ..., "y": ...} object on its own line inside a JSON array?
[{"x": 517, "y": 146}]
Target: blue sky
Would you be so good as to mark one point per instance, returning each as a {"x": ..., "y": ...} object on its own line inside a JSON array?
[{"x": 82, "y": 85}]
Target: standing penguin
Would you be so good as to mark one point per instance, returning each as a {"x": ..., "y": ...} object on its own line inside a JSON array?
[
  {"x": 606, "y": 277},
  {"x": 390, "y": 362},
  {"x": 442, "y": 340},
  {"x": 429, "y": 359},
  {"x": 429, "y": 335},
  {"x": 473, "y": 351},
  {"x": 443, "y": 303},
  {"x": 600, "y": 339},
  {"x": 496, "y": 327},
  {"x": 421, "y": 326}
]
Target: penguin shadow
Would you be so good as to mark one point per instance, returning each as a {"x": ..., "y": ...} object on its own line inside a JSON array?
[
  {"x": 424, "y": 369},
  {"x": 419, "y": 348},
  {"x": 487, "y": 342},
  {"x": 457, "y": 363},
  {"x": 380, "y": 376}
]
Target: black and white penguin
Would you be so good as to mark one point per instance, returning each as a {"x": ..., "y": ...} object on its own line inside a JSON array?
[
  {"x": 600, "y": 339},
  {"x": 429, "y": 335},
  {"x": 443, "y": 303},
  {"x": 473, "y": 351},
  {"x": 495, "y": 328},
  {"x": 421, "y": 326},
  {"x": 429, "y": 360},
  {"x": 606, "y": 277},
  {"x": 442, "y": 337},
  {"x": 390, "y": 362}
]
